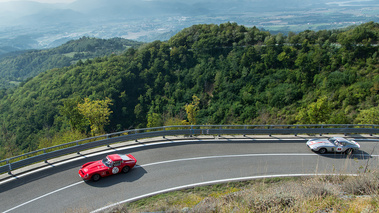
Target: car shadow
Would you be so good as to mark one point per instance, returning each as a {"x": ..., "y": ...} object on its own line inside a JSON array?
[
  {"x": 133, "y": 175},
  {"x": 359, "y": 155}
]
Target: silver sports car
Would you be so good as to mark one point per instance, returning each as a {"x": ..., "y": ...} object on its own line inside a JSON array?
[{"x": 334, "y": 144}]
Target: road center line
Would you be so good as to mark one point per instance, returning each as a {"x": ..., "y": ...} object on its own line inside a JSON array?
[
  {"x": 50, "y": 193},
  {"x": 132, "y": 147},
  {"x": 223, "y": 156},
  {"x": 242, "y": 155},
  {"x": 187, "y": 186}
]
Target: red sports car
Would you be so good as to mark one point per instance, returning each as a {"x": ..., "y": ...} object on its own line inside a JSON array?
[{"x": 111, "y": 164}]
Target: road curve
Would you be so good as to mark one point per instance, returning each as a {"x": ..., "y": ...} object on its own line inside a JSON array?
[{"x": 173, "y": 165}]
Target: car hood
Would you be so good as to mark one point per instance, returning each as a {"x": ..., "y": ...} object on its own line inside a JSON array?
[
  {"x": 354, "y": 143},
  {"x": 95, "y": 166},
  {"x": 314, "y": 143}
]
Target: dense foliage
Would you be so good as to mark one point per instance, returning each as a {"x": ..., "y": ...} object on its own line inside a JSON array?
[
  {"x": 228, "y": 74},
  {"x": 27, "y": 64}
]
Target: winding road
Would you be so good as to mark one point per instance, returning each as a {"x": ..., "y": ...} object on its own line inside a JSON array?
[{"x": 174, "y": 165}]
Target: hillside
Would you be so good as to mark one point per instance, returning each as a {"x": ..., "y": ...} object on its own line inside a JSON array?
[
  {"x": 17, "y": 67},
  {"x": 300, "y": 194},
  {"x": 240, "y": 75}
]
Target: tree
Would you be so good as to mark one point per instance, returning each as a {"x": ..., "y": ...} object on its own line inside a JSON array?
[
  {"x": 70, "y": 111},
  {"x": 192, "y": 109},
  {"x": 368, "y": 116},
  {"x": 97, "y": 113},
  {"x": 60, "y": 138},
  {"x": 154, "y": 120},
  {"x": 8, "y": 146},
  {"x": 316, "y": 113}
]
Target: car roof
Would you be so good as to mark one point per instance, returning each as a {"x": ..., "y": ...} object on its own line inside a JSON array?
[
  {"x": 341, "y": 139},
  {"x": 115, "y": 157}
]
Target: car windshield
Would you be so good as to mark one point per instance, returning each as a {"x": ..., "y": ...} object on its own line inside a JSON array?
[{"x": 107, "y": 162}]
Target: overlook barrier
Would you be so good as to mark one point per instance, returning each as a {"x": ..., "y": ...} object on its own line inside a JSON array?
[{"x": 76, "y": 146}]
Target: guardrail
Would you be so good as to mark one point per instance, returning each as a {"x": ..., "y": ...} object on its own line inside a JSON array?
[{"x": 48, "y": 153}]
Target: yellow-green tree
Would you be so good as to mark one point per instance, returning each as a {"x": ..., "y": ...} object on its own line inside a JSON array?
[
  {"x": 175, "y": 121},
  {"x": 368, "y": 116},
  {"x": 60, "y": 138},
  {"x": 8, "y": 146},
  {"x": 316, "y": 113},
  {"x": 154, "y": 120},
  {"x": 192, "y": 110},
  {"x": 97, "y": 113}
]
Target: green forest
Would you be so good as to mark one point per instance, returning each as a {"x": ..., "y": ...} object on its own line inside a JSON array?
[
  {"x": 205, "y": 74},
  {"x": 19, "y": 66}
]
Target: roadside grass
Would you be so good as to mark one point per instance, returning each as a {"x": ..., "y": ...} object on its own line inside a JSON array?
[{"x": 332, "y": 193}]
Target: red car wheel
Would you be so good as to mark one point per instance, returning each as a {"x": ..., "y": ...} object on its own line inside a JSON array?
[
  {"x": 95, "y": 177},
  {"x": 125, "y": 169}
]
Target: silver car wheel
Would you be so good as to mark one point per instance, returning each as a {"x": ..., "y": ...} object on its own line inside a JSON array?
[{"x": 322, "y": 151}]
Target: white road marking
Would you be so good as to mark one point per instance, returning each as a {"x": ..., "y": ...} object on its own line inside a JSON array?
[
  {"x": 187, "y": 186},
  {"x": 225, "y": 156},
  {"x": 206, "y": 183},
  {"x": 242, "y": 155},
  {"x": 129, "y": 147},
  {"x": 42, "y": 196}
]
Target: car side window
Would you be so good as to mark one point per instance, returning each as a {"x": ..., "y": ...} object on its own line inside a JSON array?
[{"x": 117, "y": 163}]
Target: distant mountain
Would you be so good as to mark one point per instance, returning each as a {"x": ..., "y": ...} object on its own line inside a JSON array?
[
  {"x": 32, "y": 25},
  {"x": 17, "y": 67},
  {"x": 133, "y": 9},
  {"x": 57, "y": 16},
  {"x": 14, "y": 12}
]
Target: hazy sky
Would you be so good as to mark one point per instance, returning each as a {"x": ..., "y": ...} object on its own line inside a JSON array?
[{"x": 43, "y": 1}]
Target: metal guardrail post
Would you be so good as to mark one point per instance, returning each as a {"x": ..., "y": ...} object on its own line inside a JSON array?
[
  {"x": 77, "y": 144},
  {"x": 135, "y": 132},
  {"x": 269, "y": 127},
  {"x": 44, "y": 152},
  {"x": 373, "y": 128},
  {"x": 164, "y": 129},
  {"x": 322, "y": 126},
  {"x": 244, "y": 127},
  {"x": 296, "y": 130},
  {"x": 10, "y": 167},
  {"x": 347, "y": 127},
  {"x": 191, "y": 130},
  {"x": 107, "y": 136}
]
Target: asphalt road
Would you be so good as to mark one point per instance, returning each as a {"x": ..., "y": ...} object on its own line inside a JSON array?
[{"x": 174, "y": 165}]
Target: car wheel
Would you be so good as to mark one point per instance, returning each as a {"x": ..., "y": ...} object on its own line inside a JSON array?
[
  {"x": 322, "y": 151},
  {"x": 349, "y": 151},
  {"x": 125, "y": 169},
  {"x": 95, "y": 177}
]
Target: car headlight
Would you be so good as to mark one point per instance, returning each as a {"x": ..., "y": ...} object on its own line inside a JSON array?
[{"x": 86, "y": 176}]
